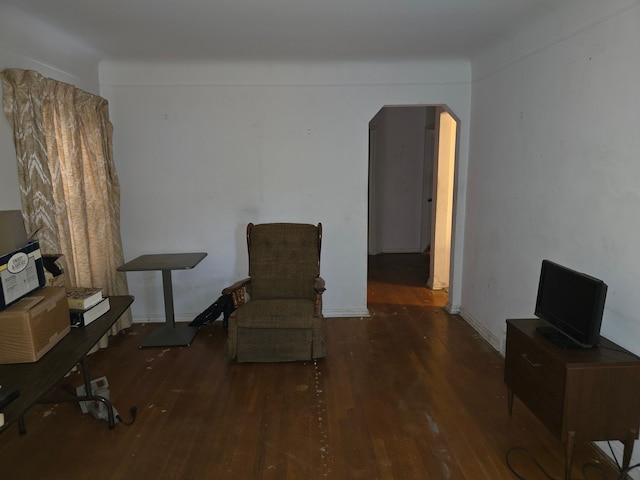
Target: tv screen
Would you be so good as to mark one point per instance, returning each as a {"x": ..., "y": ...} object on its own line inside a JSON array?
[{"x": 572, "y": 302}]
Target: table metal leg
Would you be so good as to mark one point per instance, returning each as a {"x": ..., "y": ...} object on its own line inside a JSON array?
[
  {"x": 169, "y": 335},
  {"x": 167, "y": 289},
  {"x": 88, "y": 397}
]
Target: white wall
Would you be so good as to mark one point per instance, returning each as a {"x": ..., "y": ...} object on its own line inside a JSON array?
[
  {"x": 202, "y": 149},
  {"x": 27, "y": 44},
  {"x": 554, "y": 167},
  {"x": 554, "y": 151},
  {"x": 399, "y": 166}
]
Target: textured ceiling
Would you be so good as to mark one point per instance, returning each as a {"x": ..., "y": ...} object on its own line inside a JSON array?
[{"x": 285, "y": 29}]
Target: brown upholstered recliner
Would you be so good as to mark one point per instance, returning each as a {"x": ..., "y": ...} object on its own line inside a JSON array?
[{"x": 278, "y": 316}]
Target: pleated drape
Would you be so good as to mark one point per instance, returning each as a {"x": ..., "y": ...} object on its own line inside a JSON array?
[{"x": 68, "y": 183}]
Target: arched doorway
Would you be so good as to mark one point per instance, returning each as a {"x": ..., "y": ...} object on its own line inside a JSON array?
[{"x": 412, "y": 152}]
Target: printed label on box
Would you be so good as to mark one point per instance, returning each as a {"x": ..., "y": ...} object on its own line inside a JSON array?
[
  {"x": 18, "y": 262},
  {"x": 19, "y": 275}
]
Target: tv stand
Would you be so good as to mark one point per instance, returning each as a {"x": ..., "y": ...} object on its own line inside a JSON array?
[
  {"x": 587, "y": 394},
  {"x": 557, "y": 338}
]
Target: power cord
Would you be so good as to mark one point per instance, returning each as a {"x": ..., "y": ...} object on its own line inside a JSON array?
[
  {"x": 133, "y": 411},
  {"x": 613, "y": 455},
  {"x": 528, "y": 454},
  {"x": 622, "y": 472}
]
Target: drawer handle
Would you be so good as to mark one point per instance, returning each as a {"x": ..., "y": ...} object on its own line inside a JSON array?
[{"x": 530, "y": 362}]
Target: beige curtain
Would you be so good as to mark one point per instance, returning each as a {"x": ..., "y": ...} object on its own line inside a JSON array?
[{"x": 68, "y": 182}]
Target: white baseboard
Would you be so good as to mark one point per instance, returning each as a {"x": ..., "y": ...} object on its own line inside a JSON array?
[
  {"x": 497, "y": 343},
  {"x": 350, "y": 313},
  {"x": 452, "y": 309},
  {"x": 160, "y": 318},
  {"x": 186, "y": 318}
]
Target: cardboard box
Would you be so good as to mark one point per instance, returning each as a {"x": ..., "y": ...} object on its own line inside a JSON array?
[
  {"x": 21, "y": 272},
  {"x": 31, "y": 327},
  {"x": 12, "y": 232}
]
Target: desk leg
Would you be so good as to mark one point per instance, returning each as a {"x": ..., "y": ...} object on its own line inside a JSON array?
[
  {"x": 510, "y": 401},
  {"x": 169, "y": 335},
  {"x": 628, "y": 448},
  {"x": 88, "y": 397},
  {"x": 89, "y": 393},
  {"x": 571, "y": 440}
]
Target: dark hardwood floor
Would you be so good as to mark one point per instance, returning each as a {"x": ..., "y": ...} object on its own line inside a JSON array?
[{"x": 408, "y": 393}]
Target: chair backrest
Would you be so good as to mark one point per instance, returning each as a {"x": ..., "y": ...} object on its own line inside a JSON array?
[{"x": 284, "y": 259}]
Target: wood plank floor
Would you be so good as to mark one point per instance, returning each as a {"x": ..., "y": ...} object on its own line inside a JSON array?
[{"x": 408, "y": 393}]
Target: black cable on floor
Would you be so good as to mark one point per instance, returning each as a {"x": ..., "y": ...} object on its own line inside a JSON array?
[
  {"x": 544, "y": 472},
  {"x": 527, "y": 453},
  {"x": 132, "y": 411},
  {"x": 622, "y": 472}
]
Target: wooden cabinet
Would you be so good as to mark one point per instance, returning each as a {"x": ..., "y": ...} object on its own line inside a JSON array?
[{"x": 579, "y": 395}]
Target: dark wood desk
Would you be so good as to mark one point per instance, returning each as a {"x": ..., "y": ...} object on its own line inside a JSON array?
[
  {"x": 587, "y": 394},
  {"x": 169, "y": 335},
  {"x": 37, "y": 379}
]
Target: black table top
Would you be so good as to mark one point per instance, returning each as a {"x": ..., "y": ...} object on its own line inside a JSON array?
[
  {"x": 163, "y": 261},
  {"x": 36, "y": 379}
]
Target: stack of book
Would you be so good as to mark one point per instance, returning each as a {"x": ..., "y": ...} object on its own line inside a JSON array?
[{"x": 86, "y": 304}]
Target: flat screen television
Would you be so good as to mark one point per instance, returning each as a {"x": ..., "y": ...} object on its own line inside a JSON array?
[{"x": 572, "y": 303}]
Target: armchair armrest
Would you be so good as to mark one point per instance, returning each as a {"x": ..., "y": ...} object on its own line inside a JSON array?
[
  {"x": 318, "y": 285},
  {"x": 238, "y": 291},
  {"x": 319, "y": 288}
]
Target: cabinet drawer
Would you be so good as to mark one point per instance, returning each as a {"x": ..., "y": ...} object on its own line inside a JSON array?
[{"x": 536, "y": 377}]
